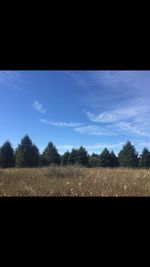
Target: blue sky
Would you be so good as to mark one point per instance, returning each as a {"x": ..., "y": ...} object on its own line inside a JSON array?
[{"x": 95, "y": 109}]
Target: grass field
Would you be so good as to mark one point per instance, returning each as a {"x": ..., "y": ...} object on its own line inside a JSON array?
[{"x": 74, "y": 181}]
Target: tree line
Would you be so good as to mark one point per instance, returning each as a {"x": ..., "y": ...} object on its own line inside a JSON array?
[{"x": 27, "y": 155}]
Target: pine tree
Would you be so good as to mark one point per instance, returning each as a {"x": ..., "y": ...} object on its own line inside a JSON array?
[
  {"x": 51, "y": 155},
  {"x": 35, "y": 156},
  {"x": 73, "y": 156},
  {"x": 27, "y": 154},
  {"x": 128, "y": 156},
  {"x": 42, "y": 161},
  {"x": 105, "y": 158},
  {"x": 7, "y": 158},
  {"x": 82, "y": 156},
  {"x": 144, "y": 160},
  {"x": 114, "y": 160},
  {"x": 94, "y": 160},
  {"x": 65, "y": 158}
]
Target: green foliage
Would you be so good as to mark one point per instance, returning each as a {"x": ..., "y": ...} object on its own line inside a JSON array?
[
  {"x": 73, "y": 156},
  {"x": 94, "y": 160},
  {"x": 27, "y": 154},
  {"x": 51, "y": 155},
  {"x": 65, "y": 158},
  {"x": 7, "y": 158},
  {"x": 114, "y": 160},
  {"x": 79, "y": 156},
  {"x": 105, "y": 158},
  {"x": 42, "y": 161},
  {"x": 128, "y": 156},
  {"x": 82, "y": 156},
  {"x": 144, "y": 160}
]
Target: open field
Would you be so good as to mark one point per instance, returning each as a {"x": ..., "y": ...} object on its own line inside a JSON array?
[{"x": 73, "y": 181}]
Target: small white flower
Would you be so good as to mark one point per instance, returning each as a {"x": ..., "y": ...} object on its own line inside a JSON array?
[{"x": 125, "y": 187}]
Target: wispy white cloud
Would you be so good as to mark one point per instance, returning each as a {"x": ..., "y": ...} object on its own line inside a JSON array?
[
  {"x": 110, "y": 82},
  {"x": 94, "y": 130},
  {"x": 61, "y": 124},
  {"x": 131, "y": 118},
  {"x": 79, "y": 78},
  {"x": 80, "y": 127},
  {"x": 11, "y": 79},
  {"x": 118, "y": 101},
  {"x": 128, "y": 127},
  {"x": 38, "y": 107},
  {"x": 132, "y": 110},
  {"x": 114, "y": 115},
  {"x": 113, "y": 79},
  {"x": 130, "y": 79}
]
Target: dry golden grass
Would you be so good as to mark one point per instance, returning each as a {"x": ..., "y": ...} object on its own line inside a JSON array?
[{"x": 73, "y": 181}]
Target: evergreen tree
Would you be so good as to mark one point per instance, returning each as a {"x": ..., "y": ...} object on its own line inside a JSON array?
[
  {"x": 114, "y": 160},
  {"x": 94, "y": 160},
  {"x": 82, "y": 156},
  {"x": 128, "y": 156},
  {"x": 51, "y": 155},
  {"x": 35, "y": 156},
  {"x": 144, "y": 160},
  {"x": 42, "y": 161},
  {"x": 105, "y": 158},
  {"x": 27, "y": 154},
  {"x": 7, "y": 157},
  {"x": 73, "y": 156},
  {"x": 65, "y": 158}
]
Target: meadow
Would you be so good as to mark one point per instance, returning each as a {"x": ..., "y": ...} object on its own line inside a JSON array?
[{"x": 74, "y": 181}]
